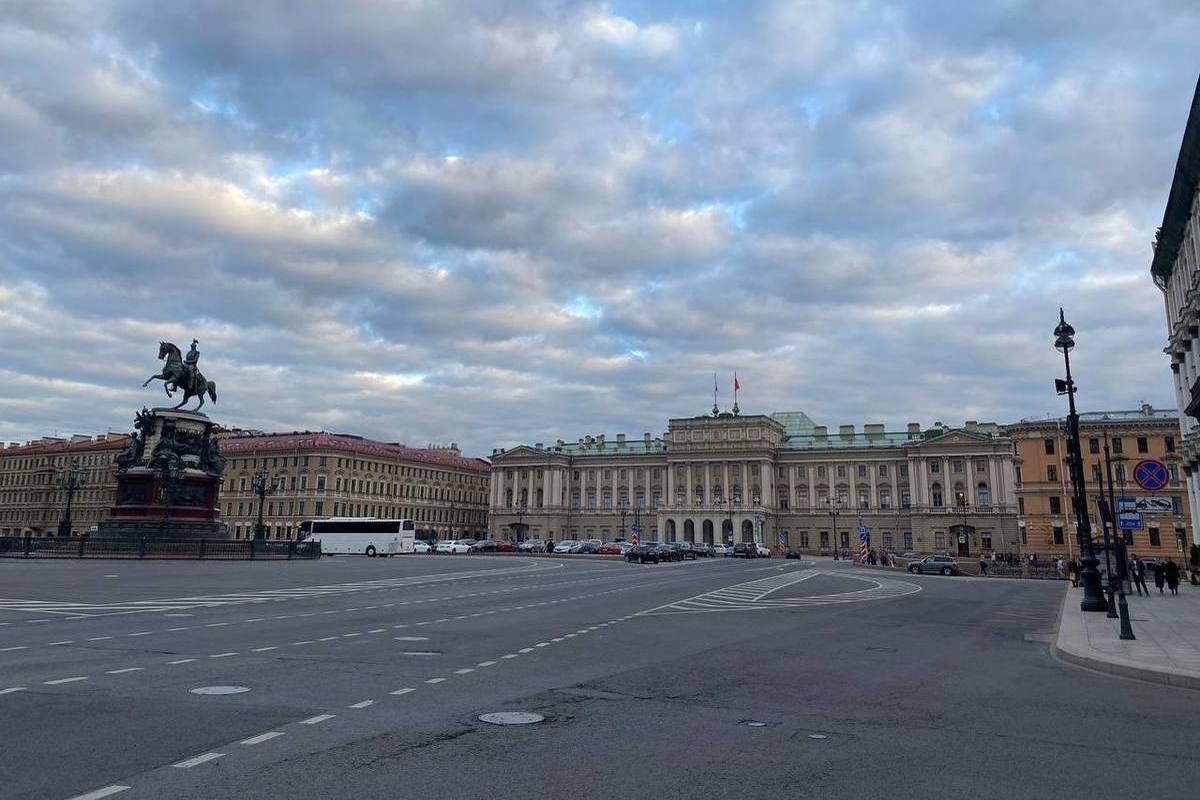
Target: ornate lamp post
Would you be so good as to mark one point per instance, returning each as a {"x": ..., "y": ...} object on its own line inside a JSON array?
[
  {"x": 834, "y": 504},
  {"x": 623, "y": 506},
  {"x": 262, "y": 486},
  {"x": 520, "y": 522},
  {"x": 1093, "y": 595},
  {"x": 71, "y": 479}
]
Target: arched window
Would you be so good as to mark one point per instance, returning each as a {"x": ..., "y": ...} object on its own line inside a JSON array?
[
  {"x": 935, "y": 494},
  {"x": 984, "y": 495},
  {"x": 960, "y": 495}
]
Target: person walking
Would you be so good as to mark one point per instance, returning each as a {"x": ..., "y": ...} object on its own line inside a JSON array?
[
  {"x": 1073, "y": 573},
  {"x": 983, "y": 566},
  {"x": 550, "y": 545},
  {"x": 1171, "y": 571},
  {"x": 1137, "y": 571},
  {"x": 1160, "y": 576}
]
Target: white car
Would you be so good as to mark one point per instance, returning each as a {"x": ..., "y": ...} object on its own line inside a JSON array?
[
  {"x": 763, "y": 550},
  {"x": 532, "y": 546},
  {"x": 723, "y": 549},
  {"x": 565, "y": 545},
  {"x": 421, "y": 546},
  {"x": 456, "y": 546}
]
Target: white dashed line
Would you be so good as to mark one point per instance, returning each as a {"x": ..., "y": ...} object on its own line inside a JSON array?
[
  {"x": 327, "y": 638},
  {"x": 216, "y": 624},
  {"x": 65, "y": 680},
  {"x": 255, "y": 619},
  {"x": 405, "y": 690},
  {"x": 65, "y": 641},
  {"x": 12, "y": 689},
  {"x": 195, "y": 760},
  {"x": 96, "y": 794},
  {"x": 98, "y": 638},
  {"x": 222, "y": 655},
  {"x": 123, "y": 671},
  {"x": 10, "y": 649},
  {"x": 509, "y": 655},
  {"x": 464, "y": 670},
  {"x": 525, "y": 650},
  {"x": 363, "y": 704},
  {"x": 184, "y": 628},
  {"x": 377, "y": 630},
  {"x": 262, "y": 737},
  {"x": 264, "y": 649},
  {"x": 297, "y": 644},
  {"x": 182, "y": 661},
  {"x": 485, "y": 663},
  {"x": 435, "y": 680},
  {"x": 317, "y": 719},
  {"x": 140, "y": 633}
]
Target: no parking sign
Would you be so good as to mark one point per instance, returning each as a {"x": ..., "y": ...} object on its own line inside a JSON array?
[{"x": 1151, "y": 475}]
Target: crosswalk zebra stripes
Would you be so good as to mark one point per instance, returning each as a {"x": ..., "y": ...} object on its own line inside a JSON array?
[
  {"x": 74, "y": 608},
  {"x": 755, "y": 595}
]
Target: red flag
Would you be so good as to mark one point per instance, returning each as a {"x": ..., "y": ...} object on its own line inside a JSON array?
[{"x": 736, "y": 385}]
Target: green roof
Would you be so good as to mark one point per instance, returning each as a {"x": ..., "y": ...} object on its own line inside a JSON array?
[{"x": 836, "y": 441}]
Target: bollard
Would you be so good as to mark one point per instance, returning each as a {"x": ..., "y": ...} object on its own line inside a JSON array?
[
  {"x": 202, "y": 545},
  {"x": 142, "y": 547}
]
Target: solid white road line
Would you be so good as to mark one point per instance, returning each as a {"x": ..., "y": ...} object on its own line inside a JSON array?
[
  {"x": 182, "y": 661},
  {"x": 405, "y": 690},
  {"x": 122, "y": 671},
  {"x": 96, "y": 794},
  {"x": 362, "y": 704},
  {"x": 317, "y": 719},
  {"x": 262, "y": 737},
  {"x": 194, "y": 760},
  {"x": 65, "y": 680}
]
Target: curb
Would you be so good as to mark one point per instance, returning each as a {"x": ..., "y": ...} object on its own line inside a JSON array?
[{"x": 1123, "y": 668}]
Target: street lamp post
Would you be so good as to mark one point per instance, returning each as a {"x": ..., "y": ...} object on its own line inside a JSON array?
[
  {"x": 262, "y": 486},
  {"x": 623, "y": 509},
  {"x": 834, "y": 503},
  {"x": 1093, "y": 596},
  {"x": 521, "y": 522},
  {"x": 1122, "y": 559},
  {"x": 71, "y": 479}
]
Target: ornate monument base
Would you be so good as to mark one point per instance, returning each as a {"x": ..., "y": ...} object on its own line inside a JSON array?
[{"x": 169, "y": 480}]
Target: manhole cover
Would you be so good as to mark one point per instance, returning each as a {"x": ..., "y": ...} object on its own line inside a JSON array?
[
  {"x": 817, "y": 736},
  {"x": 511, "y": 718},
  {"x": 220, "y": 689}
]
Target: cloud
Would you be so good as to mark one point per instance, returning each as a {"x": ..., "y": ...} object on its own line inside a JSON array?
[{"x": 489, "y": 222}]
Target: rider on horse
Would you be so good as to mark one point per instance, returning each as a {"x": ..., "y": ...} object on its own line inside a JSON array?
[{"x": 189, "y": 363}]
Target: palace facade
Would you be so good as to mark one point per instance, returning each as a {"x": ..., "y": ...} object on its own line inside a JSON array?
[{"x": 767, "y": 478}]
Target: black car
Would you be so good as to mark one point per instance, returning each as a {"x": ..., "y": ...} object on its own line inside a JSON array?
[
  {"x": 644, "y": 553},
  {"x": 794, "y": 554},
  {"x": 682, "y": 550},
  {"x": 484, "y": 546},
  {"x": 745, "y": 550}
]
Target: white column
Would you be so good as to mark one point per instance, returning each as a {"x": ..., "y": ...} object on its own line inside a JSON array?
[
  {"x": 872, "y": 468},
  {"x": 725, "y": 487},
  {"x": 649, "y": 485},
  {"x": 547, "y": 498},
  {"x": 669, "y": 486},
  {"x": 614, "y": 485},
  {"x": 689, "y": 491},
  {"x": 994, "y": 487},
  {"x": 894, "y": 469},
  {"x": 852, "y": 472},
  {"x": 811, "y": 469},
  {"x": 707, "y": 483},
  {"x": 583, "y": 476},
  {"x": 1193, "y": 485}
]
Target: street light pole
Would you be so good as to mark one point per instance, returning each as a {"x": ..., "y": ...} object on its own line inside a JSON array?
[
  {"x": 71, "y": 479},
  {"x": 1093, "y": 596},
  {"x": 1101, "y": 503},
  {"x": 623, "y": 506},
  {"x": 262, "y": 487},
  {"x": 833, "y": 503}
]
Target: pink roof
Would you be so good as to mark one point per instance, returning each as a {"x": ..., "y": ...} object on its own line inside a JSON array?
[
  {"x": 279, "y": 443},
  {"x": 114, "y": 441}
]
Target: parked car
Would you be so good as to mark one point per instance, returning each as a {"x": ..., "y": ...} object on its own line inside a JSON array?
[
  {"x": 745, "y": 550},
  {"x": 703, "y": 550},
  {"x": 763, "y": 550},
  {"x": 683, "y": 550},
  {"x": 644, "y": 553},
  {"x": 944, "y": 565},
  {"x": 422, "y": 546},
  {"x": 455, "y": 546},
  {"x": 723, "y": 549},
  {"x": 484, "y": 546},
  {"x": 794, "y": 554},
  {"x": 565, "y": 546},
  {"x": 588, "y": 548},
  {"x": 532, "y": 546},
  {"x": 610, "y": 549},
  {"x": 505, "y": 546}
]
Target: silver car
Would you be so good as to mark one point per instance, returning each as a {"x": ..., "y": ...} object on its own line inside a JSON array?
[{"x": 938, "y": 565}]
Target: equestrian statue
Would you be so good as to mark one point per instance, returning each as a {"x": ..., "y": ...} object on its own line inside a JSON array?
[{"x": 180, "y": 372}]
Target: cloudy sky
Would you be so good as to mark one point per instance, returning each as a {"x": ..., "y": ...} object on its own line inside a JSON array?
[{"x": 491, "y": 222}]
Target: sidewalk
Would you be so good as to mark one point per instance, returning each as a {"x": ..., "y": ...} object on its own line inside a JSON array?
[{"x": 1167, "y": 648}]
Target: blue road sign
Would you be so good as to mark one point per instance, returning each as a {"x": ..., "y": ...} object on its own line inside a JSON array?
[
  {"x": 1129, "y": 521},
  {"x": 635, "y": 528},
  {"x": 1126, "y": 504},
  {"x": 1151, "y": 475}
]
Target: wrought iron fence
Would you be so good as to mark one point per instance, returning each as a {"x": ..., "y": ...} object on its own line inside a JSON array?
[{"x": 217, "y": 549}]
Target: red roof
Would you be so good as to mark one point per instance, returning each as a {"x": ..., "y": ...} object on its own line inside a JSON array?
[
  {"x": 279, "y": 443},
  {"x": 114, "y": 441}
]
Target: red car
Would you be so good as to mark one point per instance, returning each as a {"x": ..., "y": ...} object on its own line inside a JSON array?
[
  {"x": 609, "y": 549},
  {"x": 505, "y": 547}
]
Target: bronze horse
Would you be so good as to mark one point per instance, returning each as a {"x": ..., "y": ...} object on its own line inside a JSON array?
[{"x": 175, "y": 374}]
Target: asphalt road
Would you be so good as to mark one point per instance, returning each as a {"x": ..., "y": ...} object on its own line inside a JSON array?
[{"x": 365, "y": 678}]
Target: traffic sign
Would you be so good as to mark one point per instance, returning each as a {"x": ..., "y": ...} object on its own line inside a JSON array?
[
  {"x": 635, "y": 528},
  {"x": 782, "y": 537},
  {"x": 1151, "y": 475},
  {"x": 1129, "y": 521},
  {"x": 1147, "y": 504}
]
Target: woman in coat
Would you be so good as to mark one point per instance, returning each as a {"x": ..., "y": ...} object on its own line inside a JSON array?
[
  {"x": 1172, "y": 575},
  {"x": 1160, "y": 576}
]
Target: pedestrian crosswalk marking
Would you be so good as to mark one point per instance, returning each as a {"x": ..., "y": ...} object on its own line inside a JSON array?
[{"x": 755, "y": 595}]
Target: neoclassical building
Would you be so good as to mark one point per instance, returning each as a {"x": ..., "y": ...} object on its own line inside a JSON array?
[
  {"x": 758, "y": 478},
  {"x": 1176, "y": 271}
]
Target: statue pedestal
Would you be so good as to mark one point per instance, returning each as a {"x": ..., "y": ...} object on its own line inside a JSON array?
[{"x": 169, "y": 481}]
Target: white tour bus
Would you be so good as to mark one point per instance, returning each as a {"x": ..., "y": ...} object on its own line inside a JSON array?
[{"x": 366, "y": 535}]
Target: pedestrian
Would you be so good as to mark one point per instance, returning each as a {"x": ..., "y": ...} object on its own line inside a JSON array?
[
  {"x": 1073, "y": 573},
  {"x": 982, "y": 566},
  {"x": 1171, "y": 571},
  {"x": 1160, "y": 576},
  {"x": 550, "y": 545},
  {"x": 1137, "y": 571}
]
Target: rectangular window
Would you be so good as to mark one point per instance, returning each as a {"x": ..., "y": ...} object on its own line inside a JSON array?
[
  {"x": 904, "y": 470},
  {"x": 821, "y": 471},
  {"x": 1143, "y": 445},
  {"x": 322, "y": 461},
  {"x": 804, "y": 539},
  {"x": 841, "y": 470},
  {"x": 1018, "y": 475},
  {"x": 883, "y": 470},
  {"x": 320, "y": 509},
  {"x": 1155, "y": 539},
  {"x": 908, "y": 542},
  {"x": 862, "y": 470},
  {"x": 887, "y": 540},
  {"x": 939, "y": 541},
  {"x": 1051, "y": 472},
  {"x": 1020, "y": 505},
  {"x": 957, "y": 465},
  {"x": 1056, "y": 505},
  {"x": 1095, "y": 472},
  {"x": 1117, "y": 446},
  {"x": 1093, "y": 445},
  {"x": 1169, "y": 444},
  {"x": 824, "y": 538},
  {"x": 320, "y": 483},
  {"x": 802, "y": 471},
  {"x": 1049, "y": 445},
  {"x": 1058, "y": 534},
  {"x": 935, "y": 466},
  {"x": 1174, "y": 473},
  {"x": 980, "y": 465}
]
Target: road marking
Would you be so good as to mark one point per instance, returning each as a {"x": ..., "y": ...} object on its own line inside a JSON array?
[
  {"x": 317, "y": 719},
  {"x": 182, "y": 661},
  {"x": 262, "y": 737},
  {"x": 264, "y": 649},
  {"x": 464, "y": 670},
  {"x": 255, "y": 619},
  {"x": 525, "y": 650},
  {"x": 435, "y": 680},
  {"x": 10, "y": 649},
  {"x": 542, "y": 644},
  {"x": 123, "y": 671},
  {"x": 349, "y": 635},
  {"x": 405, "y": 690},
  {"x": 557, "y": 639},
  {"x": 65, "y": 680},
  {"x": 140, "y": 633},
  {"x": 222, "y": 655},
  {"x": 509, "y": 655},
  {"x": 12, "y": 689},
  {"x": 327, "y": 638},
  {"x": 96, "y": 794},
  {"x": 64, "y": 641},
  {"x": 184, "y": 628},
  {"x": 216, "y": 624},
  {"x": 195, "y": 760},
  {"x": 377, "y": 630},
  {"x": 363, "y": 704},
  {"x": 98, "y": 638},
  {"x": 297, "y": 644},
  {"x": 411, "y": 638}
]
